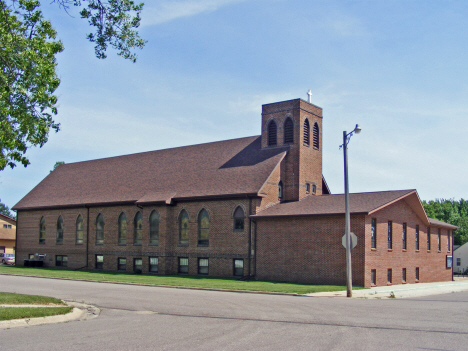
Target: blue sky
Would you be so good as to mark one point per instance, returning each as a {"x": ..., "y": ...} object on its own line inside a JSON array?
[{"x": 398, "y": 68}]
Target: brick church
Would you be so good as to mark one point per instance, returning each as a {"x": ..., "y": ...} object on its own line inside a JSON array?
[{"x": 254, "y": 207}]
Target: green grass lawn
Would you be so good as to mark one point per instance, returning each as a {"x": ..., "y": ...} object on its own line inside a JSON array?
[
  {"x": 175, "y": 281},
  {"x": 8, "y": 313},
  {"x": 19, "y": 299}
]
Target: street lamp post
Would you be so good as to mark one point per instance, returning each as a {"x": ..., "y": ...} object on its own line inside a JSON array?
[{"x": 349, "y": 280}]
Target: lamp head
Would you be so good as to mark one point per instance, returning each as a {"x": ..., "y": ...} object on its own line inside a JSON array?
[{"x": 357, "y": 130}]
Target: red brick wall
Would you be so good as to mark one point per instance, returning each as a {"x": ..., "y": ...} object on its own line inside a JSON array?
[
  {"x": 308, "y": 249},
  {"x": 432, "y": 264},
  {"x": 225, "y": 244},
  {"x": 28, "y": 236}
]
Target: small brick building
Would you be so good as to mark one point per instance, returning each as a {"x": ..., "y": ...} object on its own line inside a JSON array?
[{"x": 256, "y": 206}]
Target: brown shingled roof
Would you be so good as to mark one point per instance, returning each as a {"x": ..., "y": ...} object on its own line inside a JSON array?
[
  {"x": 335, "y": 204},
  {"x": 231, "y": 167},
  {"x": 437, "y": 223}
]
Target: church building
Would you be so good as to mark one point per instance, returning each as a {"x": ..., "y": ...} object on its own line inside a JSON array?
[{"x": 255, "y": 207}]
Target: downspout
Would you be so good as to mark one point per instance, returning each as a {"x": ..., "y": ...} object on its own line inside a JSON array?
[
  {"x": 451, "y": 249},
  {"x": 87, "y": 237},
  {"x": 249, "y": 253}
]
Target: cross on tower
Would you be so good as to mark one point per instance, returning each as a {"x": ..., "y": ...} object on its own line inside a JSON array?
[{"x": 310, "y": 96}]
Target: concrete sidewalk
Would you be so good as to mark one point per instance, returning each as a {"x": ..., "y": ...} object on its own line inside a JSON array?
[{"x": 402, "y": 290}]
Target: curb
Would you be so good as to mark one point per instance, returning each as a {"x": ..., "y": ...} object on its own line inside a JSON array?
[{"x": 80, "y": 312}]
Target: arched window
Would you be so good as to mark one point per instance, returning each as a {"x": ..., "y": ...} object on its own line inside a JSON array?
[
  {"x": 280, "y": 189},
  {"x": 272, "y": 133},
  {"x": 79, "y": 230},
  {"x": 59, "y": 230},
  {"x": 306, "y": 132},
  {"x": 239, "y": 219},
  {"x": 316, "y": 135},
  {"x": 122, "y": 229},
  {"x": 288, "y": 131},
  {"x": 137, "y": 229},
  {"x": 42, "y": 231},
  {"x": 203, "y": 228},
  {"x": 154, "y": 228},
  {"x": 183, "y": 228},
  {"x": 99, "y": 229}
]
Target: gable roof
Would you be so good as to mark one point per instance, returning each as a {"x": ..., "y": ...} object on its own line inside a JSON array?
[
  {"x": 359, "y": 203},
  {"x": 225, "y": 168}
]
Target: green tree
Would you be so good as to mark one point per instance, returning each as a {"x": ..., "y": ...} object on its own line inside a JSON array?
[
  {"x": 453, "y": 212},
  {"x": 58, "y": 163},
  {"x": 5, "y": 210},
  {"x": 28, "y": 80}
]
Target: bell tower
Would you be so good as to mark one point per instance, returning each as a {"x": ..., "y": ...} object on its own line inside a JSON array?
[{"x": 297, "y": 125}]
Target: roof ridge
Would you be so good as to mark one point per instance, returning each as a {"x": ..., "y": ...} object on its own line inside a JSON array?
[
  {"x": 370, "y": 192},
  {"x": 169, "y": 148}
]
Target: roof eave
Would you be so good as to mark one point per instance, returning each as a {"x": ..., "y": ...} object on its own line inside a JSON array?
[{"x": 259, "y": 215}]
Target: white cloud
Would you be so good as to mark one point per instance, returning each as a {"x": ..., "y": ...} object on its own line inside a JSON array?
[{"x": 165, "y": 11}]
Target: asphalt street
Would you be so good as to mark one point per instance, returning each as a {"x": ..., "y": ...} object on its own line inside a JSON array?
[{"x": 153, "y": 318}]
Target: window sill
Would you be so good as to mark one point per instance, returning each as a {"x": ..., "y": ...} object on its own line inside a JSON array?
[
  {"x": 153, "y": 244},
  {"x": 78, "y": 243},
  {"x": 416, "y": 281},
  {"x": 316, "y": 148},
  {"x": 416, "y": 250},
  {"x": 59, "y": 243},
  {"x": 390, "y": 250},
  {"x": 373, "y": 249},
  {"x": 203, "y": 245},
  {"x": 122, "y": 244},
  {"x": 136, "y": 244},
  {"x": 428, "y": 251},
  {"x": 403, "y": 282},
  {"x": 404, "y": 250},
  {"x": 389, "y": 284},
  {"x": 238, "y": 230}
]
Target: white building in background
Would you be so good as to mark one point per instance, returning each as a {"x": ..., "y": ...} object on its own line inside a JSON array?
[{"x": 460, "y": 259}]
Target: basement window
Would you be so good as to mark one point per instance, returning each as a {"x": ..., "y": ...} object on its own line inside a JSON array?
[
  {"x": 203, "y": 266},
  {"x": 137, "y": 265},
  {"x": 183, "y": 265},
  {"x": 122, "y": 264},
  {"x": 154, "y": 264}
]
